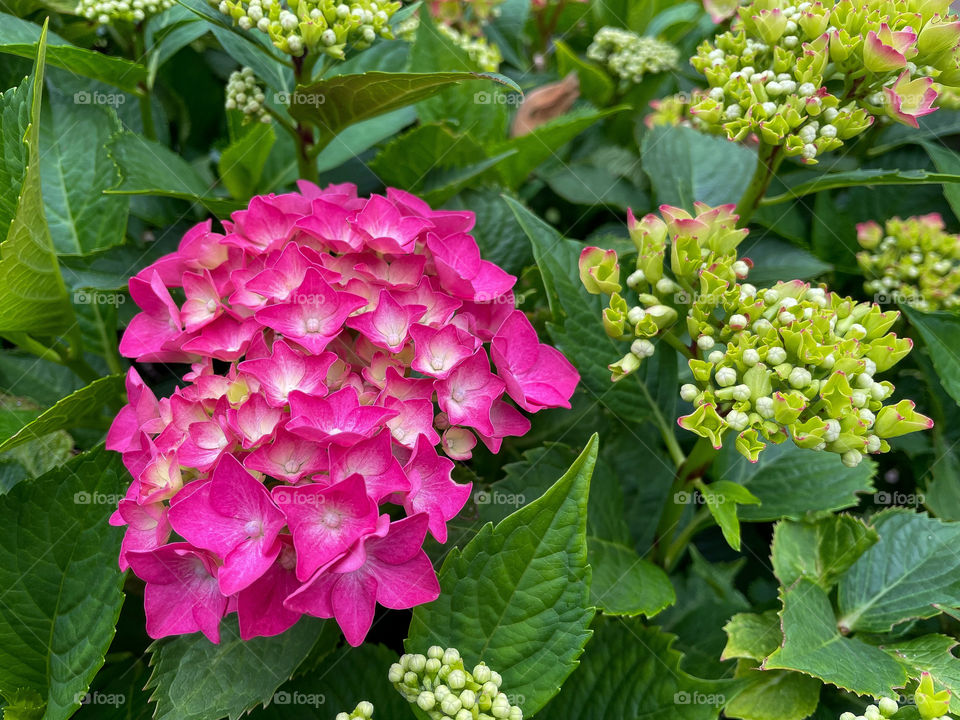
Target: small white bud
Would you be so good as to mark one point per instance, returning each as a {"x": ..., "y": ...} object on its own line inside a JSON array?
[
  {"x": 799, "y": 378},
  {"x": 776, "y": 355},
  {"x": 737, "y": 420},
  {"x": 635, "y": 278},
  {"x": 764, "y": 407},
  {"x": 741, "y": 392},
  {"x": 716, "y": 357},
  {"x": 726, "y": 376},
  {"x": 751, "y": 357},
  {"x": 689, "y": 392},
  {"x": 642, "y": 348},
  {"x": 851, "y": 458},
  {"x": 705, "y": 342},
  {"x": 737, "y": 322},
  {"x": 635, "y": 315}
]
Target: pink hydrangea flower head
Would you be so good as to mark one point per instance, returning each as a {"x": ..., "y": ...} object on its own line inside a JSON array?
[{"x": 339, "y": 352}]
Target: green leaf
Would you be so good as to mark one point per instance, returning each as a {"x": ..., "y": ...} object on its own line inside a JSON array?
[
  {"x": 774, "y": 261},
  {"x": 773, "y": 695},
  {"x": 752, "y": 636},
  {"x": 193, "y": 679},
  {"x": 341, "y": 681},
  {"x": 946, "y": 161},
  {"x": 685, "y": 165},
  {"x": 791, "y": 482},
  {"x": 577, "y": 329},
  {"x": 535, "y": 147},
  {"x": 61, "y": 584},
  {"x": 34, "y": 297},
  {"x": 334, "y": 104},
  {"x": 933, "y": 654},
  {"x": 595, "y": 84},
  {"x": 722, "y": 498},
  {"x": 798, "y": 187},
  {"x": 14, "y": 120},
  {"x": 241, "y": 164},
  {"x": 821, "y": 550},
  {"x": 941, "y": 333},
  {"x": 74, "y": 410},
  {"x": 517, "y": 595},
  {"x": 497, "y": 232},
  {"x": 20, "y": 37},
  {"x": 76, "y": 169},
  {"x": 624, "y": 583},
  {"x": 358, "y": 138},
  {"x": 149, "y": 168},
  {"x": 813, "y": 645},
  {"x": 630, "y": 671},
  {"x": 911, "y": 568}
]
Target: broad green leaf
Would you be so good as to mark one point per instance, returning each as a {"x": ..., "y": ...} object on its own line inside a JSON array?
[
  {"x": 600, "y": 175},
  {"x": 43, "y": 381},
  {"x": 685, "y": 165},
  {"x": 34, "y": 297},
  {"x": 14, "y": 120},
  {"x": 912, "y": 567},
  {"x": 505, "y": 29},
  {"x": 933, "y": 654},
  {"x": 941, "y": 332},
  {"x": 334, "y": 104},
  {"x": 813, "y": 645},
  {"x": 517, "y": 595},
  {"x": 577, "y": 329},
  {"x": 20, "y": 37},
  {"x": 474, "y": 107},
  {"x": 773, "y": 695},
  {"x": 149, "y": 168},
  {"x": 595, "y": 84},
  {"x": 533, "y": 148},
  {"x": 630, "y": 671},
  {"x": 61, "y": 584},
  {"x": 74, "y": 410},
  {"x": 193, "y": 679},
  {"x": 946, "y": 161},
  {"x": 797, "y": 187},
  {"x": 34, "y": 458},
  {"x": 774, "y": 261},
  {"x": 722, "y": 498},
  {"x": 339, "y": 682},
  {"x": 942, "y": 123},
  {"x": 707, "y": 597},
  {"x": 820, "y": 550},
  {"x": 355, "y": 140},
  {"x": 752, "y": 636},
  {"x": 241, "y": 164},
  {"x": 791, "y": 482},
  {"x": 76, "y": 169},
  {"x": 624, "y": 583}
]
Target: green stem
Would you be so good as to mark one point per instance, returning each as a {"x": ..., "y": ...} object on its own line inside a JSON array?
[
  {"x": 111, "y": 350},
  {"x": 693, "y": 467},
  {"x": 27, "y": 343},
  {"x": 768, "y": 160},
  {"x": 303, "y": 134},
  {"x": 677, "y": 344},
  {"x": 146, "y": 108},
  {"x": 679, "y": 545}
]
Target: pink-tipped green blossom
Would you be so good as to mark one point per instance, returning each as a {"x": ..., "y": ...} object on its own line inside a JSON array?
[{"x": 339, "y": 347}]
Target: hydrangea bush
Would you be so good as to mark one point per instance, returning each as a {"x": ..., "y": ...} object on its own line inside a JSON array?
[{"x": 560, "y": 359}]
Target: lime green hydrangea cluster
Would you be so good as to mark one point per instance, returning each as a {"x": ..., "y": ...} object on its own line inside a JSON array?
[
  {"x": 297, "y": 27},
  {"x": 913, "y": 261},
  {"x": 246, "y": 95},
  {"x": 463, "y": 30},
  {"x": 482, "y": 53},
  {"x": 808, "y": 76},
  {"x": 103, "y": 12},
  {"x": 930, "y": 704},
  {"x": 363, "y": 711},
  {"x": 790, "y": 361},
  {"x": 441, "y": 686},
  {"x": 629, "y": 56},
  {"x": 674, "y": 110}
]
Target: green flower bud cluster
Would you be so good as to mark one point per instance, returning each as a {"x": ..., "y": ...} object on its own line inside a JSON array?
[
  {"x": 795, "y": 361},
  {"x": 483, "y": 54},
  {"x": 441, "y": 686},
  {"x": 914, "y": 261},
  {"x": 461, "y": 14},
  {"x": 363, "y": 711},
  {"x": 791, "y": 361},
  {"x": 810, "y": 75},
  {"x": 324, "y": 26},
  {"x": 245, "y": 95},
  {"x": 629, "y": 56},
  {"x": 931, "y": 705},
  {"x": 674, "y": 110},
  {"x": 103, "y": 12}
]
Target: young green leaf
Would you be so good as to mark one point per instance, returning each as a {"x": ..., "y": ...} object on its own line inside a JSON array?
[
  {"x": 516, "y": 597},
  {"x": 722, "y": 498},
  {"x": 820, "y": 550},
  {"x": 941, "y": 332},
  {"x": 624, "y": 583}
]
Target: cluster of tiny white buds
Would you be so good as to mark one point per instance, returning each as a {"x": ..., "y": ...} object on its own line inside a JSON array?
[
  {"x": 103, "y": 12},
  {"x": 244, "y": 94}
]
